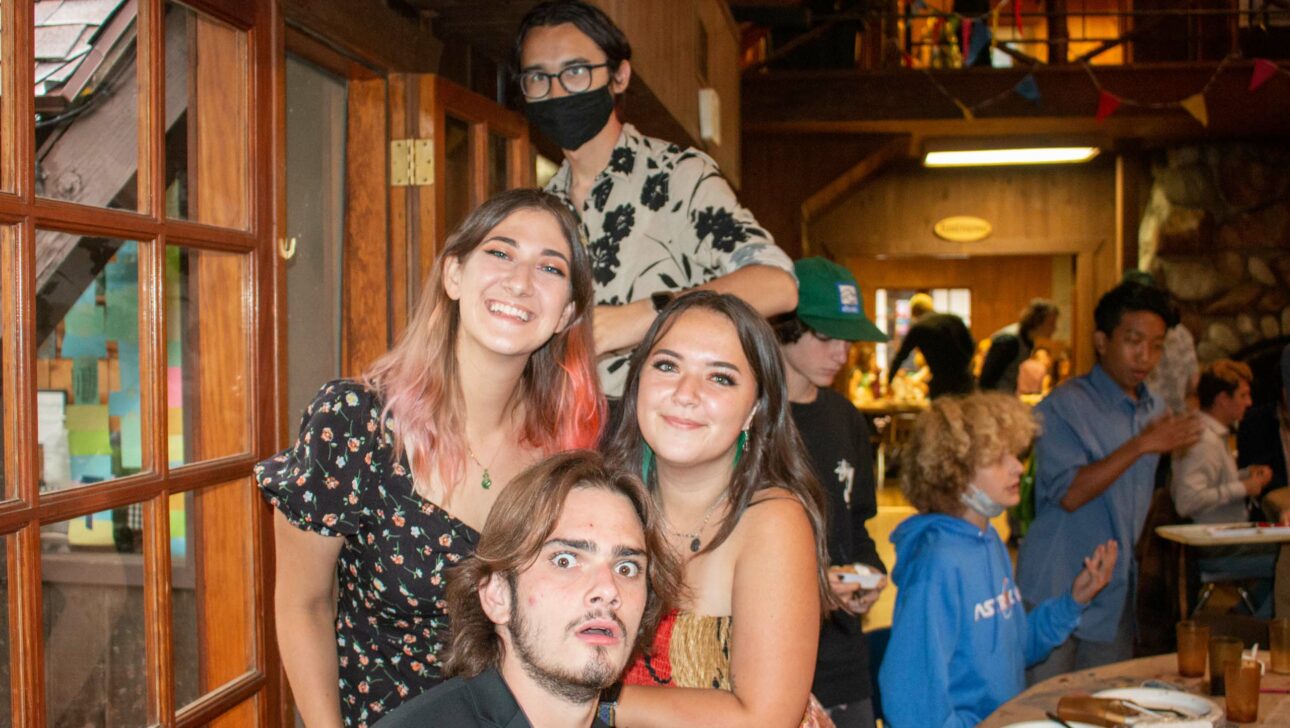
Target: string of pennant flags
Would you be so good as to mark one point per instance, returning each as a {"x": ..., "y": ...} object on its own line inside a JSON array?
[{"x": 978, "y": 33}]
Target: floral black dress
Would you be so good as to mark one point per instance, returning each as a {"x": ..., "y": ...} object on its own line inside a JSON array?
[{"x": 340, "y": 479}]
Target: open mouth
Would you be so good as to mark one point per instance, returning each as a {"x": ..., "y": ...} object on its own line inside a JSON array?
[
  {"x": 506, "y": 309},
  {"x": 599, "y": 632}
]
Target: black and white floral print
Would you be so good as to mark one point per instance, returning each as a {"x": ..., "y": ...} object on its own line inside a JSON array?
[
  {"x": 340, "y": 479},
  {"x": 662, "y": 218}
]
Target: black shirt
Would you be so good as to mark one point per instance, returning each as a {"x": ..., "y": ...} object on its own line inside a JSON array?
[
  {"x": 947, "y": 346},
  {"x": 483, "y": 701},
  {"x": 837, "y": 438}
]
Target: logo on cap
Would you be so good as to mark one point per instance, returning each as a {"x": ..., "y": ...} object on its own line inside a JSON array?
[{"x": 848, "y": 298}]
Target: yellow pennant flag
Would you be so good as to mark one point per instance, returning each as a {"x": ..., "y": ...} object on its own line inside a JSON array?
[
  {"x": 967, "y": 113},
  {"x": 1195, "y": 105},
  {"x": 994, "y": 25}
]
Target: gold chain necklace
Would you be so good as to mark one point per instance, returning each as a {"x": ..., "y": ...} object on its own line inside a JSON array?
[
  {"x": 695, "y": 542},
  {"x": 485, "y": 482}
]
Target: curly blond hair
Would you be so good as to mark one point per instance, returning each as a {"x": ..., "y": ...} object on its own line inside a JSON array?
[{"x": 956, "y": 436}]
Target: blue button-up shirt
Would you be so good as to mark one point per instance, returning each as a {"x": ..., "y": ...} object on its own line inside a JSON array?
[{"x": 1084, "y": 421}]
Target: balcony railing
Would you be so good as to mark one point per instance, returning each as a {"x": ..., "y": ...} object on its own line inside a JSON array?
[{"x": 878, "y": 34}]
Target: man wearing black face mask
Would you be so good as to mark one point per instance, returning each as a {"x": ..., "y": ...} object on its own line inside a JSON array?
[{"x": 659, "y": 219}]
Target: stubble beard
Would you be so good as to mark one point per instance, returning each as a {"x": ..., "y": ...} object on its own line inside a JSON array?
[{"x": 575, "y": 687}]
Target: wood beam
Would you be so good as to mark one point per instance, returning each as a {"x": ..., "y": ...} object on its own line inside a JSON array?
[
  {"x": 828, "y": 195},
  {"x": 889, "y": 101}
]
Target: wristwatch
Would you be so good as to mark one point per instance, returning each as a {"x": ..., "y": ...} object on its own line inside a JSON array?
[{"x": 661, "y": 299}]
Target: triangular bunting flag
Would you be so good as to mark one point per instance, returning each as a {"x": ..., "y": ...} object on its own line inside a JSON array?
[
  {"x": 980, "y": 41},
  {"x": 1028, "y": 89},
  {"x": 919, "y": 6},
  {"x": 1263, "y": 70},
  {"x": 1195, "y": 105},
  {"x": 965, "y": 30},
  {"x": 909, "y": 60},
  {"x": 1016, "y": 15},
  {"x": 1107, "y": 103},
  {"x": 967, "y": 113}
]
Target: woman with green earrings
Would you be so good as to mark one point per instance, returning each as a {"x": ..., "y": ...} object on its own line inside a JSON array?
[{"x": 706, "y": 421}]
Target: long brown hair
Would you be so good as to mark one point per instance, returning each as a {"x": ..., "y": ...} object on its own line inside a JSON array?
[
  {"x": 418, "y": 379},
  {"x": 774, "y": 457},
  {"x": 519, "y": 524}
]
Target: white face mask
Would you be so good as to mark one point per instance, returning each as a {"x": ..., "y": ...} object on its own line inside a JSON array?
[{"x": 981, "y": 503}]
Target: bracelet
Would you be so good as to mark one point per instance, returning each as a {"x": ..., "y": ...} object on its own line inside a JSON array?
[{"x": 606, "y": 711}]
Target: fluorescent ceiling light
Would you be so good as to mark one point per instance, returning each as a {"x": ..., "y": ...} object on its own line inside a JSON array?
[{"x": 989, "y": 157}]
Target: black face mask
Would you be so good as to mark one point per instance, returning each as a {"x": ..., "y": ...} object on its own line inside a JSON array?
[{"x": 571, "y": 121}]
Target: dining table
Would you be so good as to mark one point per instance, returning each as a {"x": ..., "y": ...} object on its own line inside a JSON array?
[
  {"x": 1038, "y": 699},
  {"x": 1223, "y": 534}
]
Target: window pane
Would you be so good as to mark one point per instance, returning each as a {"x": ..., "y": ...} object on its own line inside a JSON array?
[
  {"x": 497, "y": 164},
  {"x": 457, "y": 172},
  {"x": 86, "y": 101},
  {"x": 206, "y": 355},
  {"x": 316, "y": 221},
  {"x": 92, "y": 591},
  {"x": 207, "y": 121},
  {"x": 212, "y": 577},
  {"x": 6, "y": 702},
  {"x": 87, "y": 361},
  {"x": 8, "y": 244}
]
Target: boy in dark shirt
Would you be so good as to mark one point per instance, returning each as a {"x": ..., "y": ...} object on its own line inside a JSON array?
[{"x": 815, "y": 338}]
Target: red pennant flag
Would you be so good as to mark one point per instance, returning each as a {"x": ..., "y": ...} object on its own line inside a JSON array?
[
  {"x": 965, "y": 28},
  {"x": 909, "y": 60},
  {"x": 937, "y": 27},
  {"x": 1107, "y": 103},
  {"x": 1016, "y": 14},
  {"x": 1263, "y": 70}
]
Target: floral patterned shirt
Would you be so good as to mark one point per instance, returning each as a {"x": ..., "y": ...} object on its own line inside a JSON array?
[
  {"x": 341, "y": 479},
  {"x": 662, "y": 218}
]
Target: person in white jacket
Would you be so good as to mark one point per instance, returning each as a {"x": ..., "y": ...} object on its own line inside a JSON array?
[{"x": 1205, "y": 484}]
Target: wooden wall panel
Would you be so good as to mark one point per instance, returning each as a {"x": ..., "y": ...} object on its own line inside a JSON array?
[
  {"x": 782, "y": 171},
  {"x": 665, "y": 47},
  {"x": 1058, "y": 210},
  {"x": 365, "y": 305},
  {"x": 1001, "y": 285},
  {"x": 1032, "y": 210}
]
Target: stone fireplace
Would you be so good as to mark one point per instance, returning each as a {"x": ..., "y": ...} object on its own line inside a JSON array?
[{"x": 1216, "y": 234}]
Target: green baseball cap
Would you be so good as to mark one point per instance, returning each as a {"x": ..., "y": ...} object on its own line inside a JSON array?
[{"x": 829, "y": 301}]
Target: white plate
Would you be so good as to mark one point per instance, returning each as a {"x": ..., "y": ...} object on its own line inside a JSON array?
[
  {"x": 1195, "y": 706},
  {"x": 1048, "y": 724}
]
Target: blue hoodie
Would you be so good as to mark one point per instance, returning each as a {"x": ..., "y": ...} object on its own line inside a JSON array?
[{"x": 960, "y": 639}]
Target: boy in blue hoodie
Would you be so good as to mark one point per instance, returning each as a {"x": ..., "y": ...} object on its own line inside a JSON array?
[{"x": 960, "y": 639}]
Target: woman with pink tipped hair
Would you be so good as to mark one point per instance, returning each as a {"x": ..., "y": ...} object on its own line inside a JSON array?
[{"x": 393, "y": 475}]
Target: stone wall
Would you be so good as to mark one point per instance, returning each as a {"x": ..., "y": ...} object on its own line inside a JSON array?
[{"x": 1216, "y": 233}]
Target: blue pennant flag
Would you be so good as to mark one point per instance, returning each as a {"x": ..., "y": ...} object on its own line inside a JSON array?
[
  {"x": 919, "y": 6},
  {"x": 1028, "y": 89},
  {"x": 979, "y": 42}
]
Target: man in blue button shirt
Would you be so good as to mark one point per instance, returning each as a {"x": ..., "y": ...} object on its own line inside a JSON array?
[{"x": 1103, "y": 434}]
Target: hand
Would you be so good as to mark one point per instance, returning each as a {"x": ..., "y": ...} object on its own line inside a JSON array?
[
  {"x": 866, "y": 599},
  {"x": 617, "y": 328},
  {"x": 1096, "y": 573},
  {"x": 1257, "y": 480},
  {"x": 1171, "y": 432},
  {"x": 845, "y": 591}
]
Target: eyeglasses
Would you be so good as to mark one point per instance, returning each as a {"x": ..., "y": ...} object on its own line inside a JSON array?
[{"x": 574, "y": 79}]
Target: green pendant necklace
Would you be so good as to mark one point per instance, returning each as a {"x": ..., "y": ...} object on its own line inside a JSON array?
[{"x": 486, "y": 481}]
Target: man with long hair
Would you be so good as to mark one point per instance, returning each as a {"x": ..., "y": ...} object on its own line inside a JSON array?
[{"x": 571, "y": 573}]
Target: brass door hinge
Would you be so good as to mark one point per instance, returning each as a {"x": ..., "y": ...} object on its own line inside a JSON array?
[{"x": 411, "y": 162}]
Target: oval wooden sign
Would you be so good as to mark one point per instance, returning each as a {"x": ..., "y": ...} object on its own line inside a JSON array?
[{"x": 962, "y": 229}]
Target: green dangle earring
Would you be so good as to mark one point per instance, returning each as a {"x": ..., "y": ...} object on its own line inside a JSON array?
[
  {"x": 647, "y": 461},
  {"x": 740, "y": 445}
]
